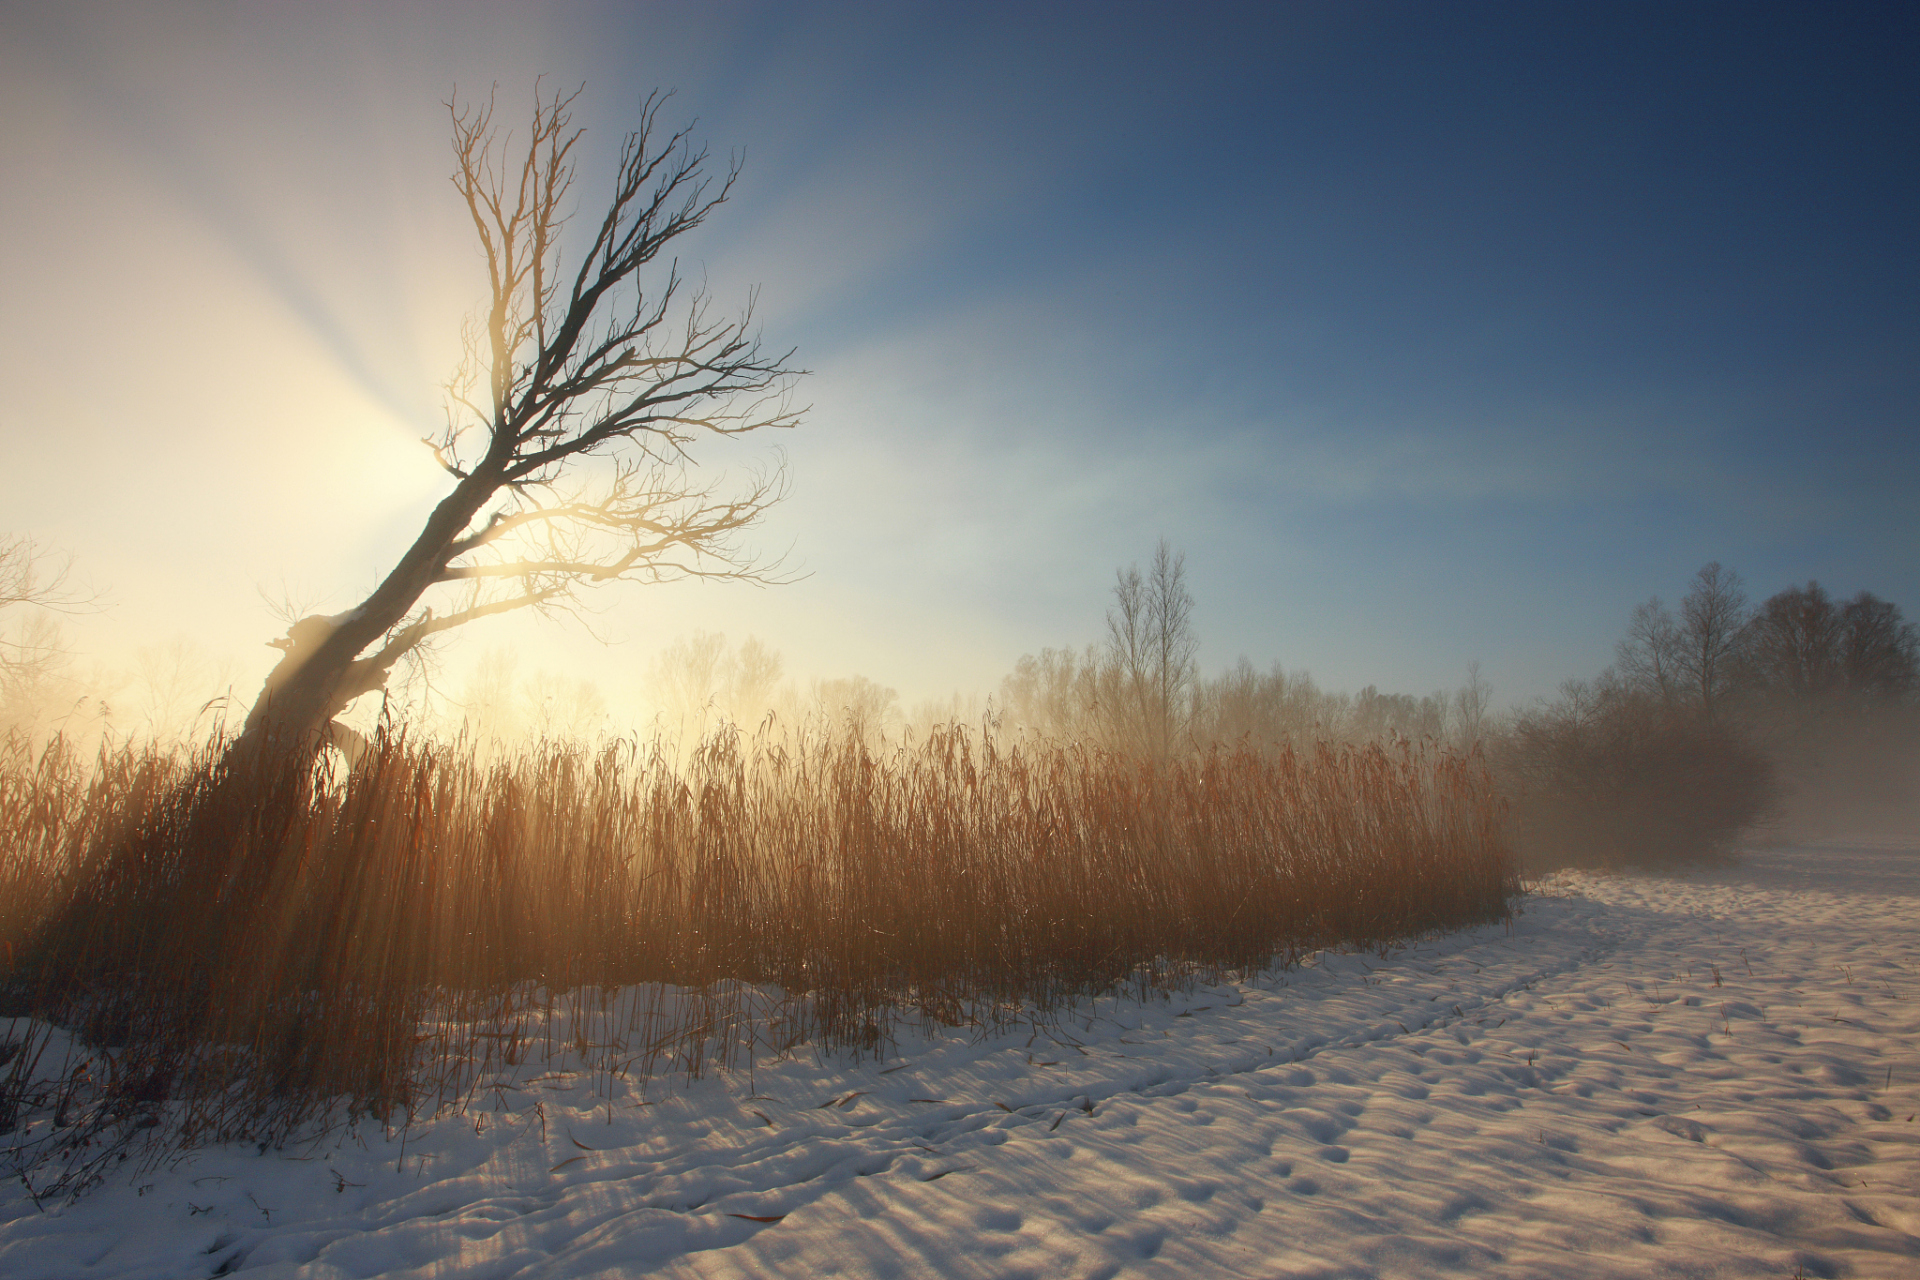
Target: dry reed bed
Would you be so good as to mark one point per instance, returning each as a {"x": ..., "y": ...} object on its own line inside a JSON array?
[{"x": 252, "y": 946}]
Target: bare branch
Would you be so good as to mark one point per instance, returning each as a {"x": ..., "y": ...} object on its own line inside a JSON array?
[
  {"x": 28, "y": 578},
  {"x": 531, "y": 600},
  {"x": 573, "y": 420}
]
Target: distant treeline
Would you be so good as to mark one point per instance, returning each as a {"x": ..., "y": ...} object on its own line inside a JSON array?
[
  {"x": 1719, "y": 719},
  {"x": 1715, "y": 717},
  {"x": 1800, "y": 712},
  {"x": 1140, "y": 690},
  {"x": 1082, "y": 694}
]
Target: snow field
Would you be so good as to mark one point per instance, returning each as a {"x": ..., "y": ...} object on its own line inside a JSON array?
[{"x": 1705, "y": 1077}]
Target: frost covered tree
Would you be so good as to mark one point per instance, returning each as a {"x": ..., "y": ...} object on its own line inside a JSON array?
[
  {"x": 1688, "y": 662},
  {"x": 35, "y": 589},
  {"x": 1471, "y": 707},
  {"x": 30, "y": 588},
  {"x": 1801, "y": 646},
  {"x": 867, "y": 711},
  {"x": 1879, "y": 650},
  {"x": 700, "y": 681},
  {"x": 1711, "y": 618},
  {"x": 1151, "y": 648},
  {"x": 1648, "y": 658},
  {"x": 590, "y": 378}
]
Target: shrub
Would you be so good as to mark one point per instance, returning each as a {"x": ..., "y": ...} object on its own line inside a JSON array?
[{"x": 1609, "y": 777}]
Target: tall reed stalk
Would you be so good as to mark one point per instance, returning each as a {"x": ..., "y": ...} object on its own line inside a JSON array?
[{"x": 252, "y": 946}]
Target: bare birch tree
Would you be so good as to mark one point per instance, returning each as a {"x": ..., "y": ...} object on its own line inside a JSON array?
[
  {"x": 32, "y": 585},
  {"x": 570, "y": 428},
  {"x": 1151, "y": 646},
  {"x": 1801, "y": 646},
  {"x": 35, "y": 590},
  {"x": 1130, "y": 661},
  {"x": 1648, "y": 659},
  {"x": 1790, "y": 650},
  {"x": 1175, "y": 647},
  {"x": 1688, "y": 662},
  {"x": 1472, "y": 704},
  {"x": 1711, "y": 617}
]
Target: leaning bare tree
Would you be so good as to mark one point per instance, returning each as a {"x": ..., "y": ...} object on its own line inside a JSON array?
[{"x": 569, "y": 427}]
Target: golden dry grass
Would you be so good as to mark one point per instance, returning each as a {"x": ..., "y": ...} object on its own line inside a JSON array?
[{"x": 255, "y": 946}]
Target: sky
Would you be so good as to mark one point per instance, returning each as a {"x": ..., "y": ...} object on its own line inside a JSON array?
[{"x": 1430, "y": 334}]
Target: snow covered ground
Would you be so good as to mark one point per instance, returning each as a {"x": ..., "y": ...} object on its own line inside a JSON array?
[{"x": 1715, "y": 1076}]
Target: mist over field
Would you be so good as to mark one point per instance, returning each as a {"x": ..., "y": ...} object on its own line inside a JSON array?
[{"x": 985, "y": 640}]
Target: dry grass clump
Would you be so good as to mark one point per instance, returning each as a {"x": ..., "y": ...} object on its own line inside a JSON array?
[{"x": 250, "y": 946}]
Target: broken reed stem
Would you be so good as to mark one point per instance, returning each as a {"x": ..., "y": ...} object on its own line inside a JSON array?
[{"x": 270, "y": 946}]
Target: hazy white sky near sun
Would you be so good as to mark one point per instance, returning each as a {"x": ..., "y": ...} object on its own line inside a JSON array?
[{"x": 1429, "y": 336}]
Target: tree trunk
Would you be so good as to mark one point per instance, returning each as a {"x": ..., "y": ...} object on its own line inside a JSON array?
[{"x": 322, "y": 670}]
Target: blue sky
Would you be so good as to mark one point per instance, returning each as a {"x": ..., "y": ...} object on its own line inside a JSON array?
[{"x": 1430, "y": 333}]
